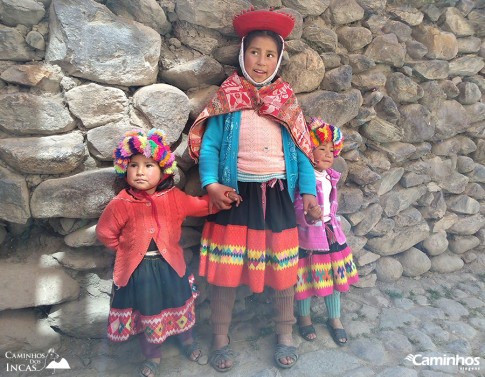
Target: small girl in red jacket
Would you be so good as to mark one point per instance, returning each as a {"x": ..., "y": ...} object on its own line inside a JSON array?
[{"x": 154, "y": 290}]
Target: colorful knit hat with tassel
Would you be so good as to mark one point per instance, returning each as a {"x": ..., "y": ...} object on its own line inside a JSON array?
[
  {"x": 152, "y": 144},
  {"x": 321, "y": 132}
]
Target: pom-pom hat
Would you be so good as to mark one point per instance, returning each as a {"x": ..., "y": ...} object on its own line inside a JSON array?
[
  {"x": 152, "y": 144},
  {"x": 321, "y": 132},
  {"x": 263, "y": 19}
]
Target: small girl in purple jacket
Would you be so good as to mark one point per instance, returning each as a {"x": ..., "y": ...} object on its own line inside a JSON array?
[{"x": 325, "y": 266}]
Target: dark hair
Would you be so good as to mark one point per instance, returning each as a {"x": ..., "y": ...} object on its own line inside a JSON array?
[
  {"x": 166, "y": 183},
  {"x": 264, "y": 33}
]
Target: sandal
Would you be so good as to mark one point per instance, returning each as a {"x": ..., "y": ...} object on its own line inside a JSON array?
[
  {"x": 283, "y": 351},
  {"x": 337, "y": 334},
  {"x": 151, "y": 366},
  {"x": 223, "y": 354},
  {"x": 306, "y": 331},
  {"x": 189, "y": 349}
]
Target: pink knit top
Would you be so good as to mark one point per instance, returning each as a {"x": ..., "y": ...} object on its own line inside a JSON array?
[{"x": 260, "y": 145}]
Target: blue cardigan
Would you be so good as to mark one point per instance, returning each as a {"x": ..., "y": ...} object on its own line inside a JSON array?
[{"x": 218, "y": 156}]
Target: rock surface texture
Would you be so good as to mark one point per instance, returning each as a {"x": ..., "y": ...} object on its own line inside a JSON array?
[{"x": 405, "y": 82}]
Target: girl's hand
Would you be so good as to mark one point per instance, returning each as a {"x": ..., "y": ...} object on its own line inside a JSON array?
[
  {"x": 311, "y": 209},
  {"x": 222, "y": 197}
]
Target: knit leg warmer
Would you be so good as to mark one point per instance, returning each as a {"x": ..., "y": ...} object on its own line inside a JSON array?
[
  {"x": 221, "y": 302},
  {"x": 303, "y": 307},
  {"x": 333, "y": 304},
  {"x": 283, "y": 307}
]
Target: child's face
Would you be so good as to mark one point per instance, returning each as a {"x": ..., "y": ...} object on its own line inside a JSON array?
[
  {"x": 261, "y": 58},
  {"x": 323, "y": 156},
  {"x": 143, "y": 173}
]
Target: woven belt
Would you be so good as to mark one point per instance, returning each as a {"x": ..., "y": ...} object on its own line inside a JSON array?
[
  {"x": 152, "y": 253},
  {"x": 271, "y": 183}
]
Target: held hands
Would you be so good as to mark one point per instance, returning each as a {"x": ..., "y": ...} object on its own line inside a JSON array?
[
  {"x": 222, "y": 197},
  {"x": 311, "y": 209}
]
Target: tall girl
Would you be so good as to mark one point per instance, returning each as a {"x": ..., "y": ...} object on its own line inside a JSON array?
[{"x": 252, "y": 139}]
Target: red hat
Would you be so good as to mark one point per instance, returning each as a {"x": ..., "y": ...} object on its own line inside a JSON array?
[{"x": 250, "y": 20}]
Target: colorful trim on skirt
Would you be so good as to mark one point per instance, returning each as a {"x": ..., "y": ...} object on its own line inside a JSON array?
[
  {"x": 322, "y": 272},
  {"x": 255, "y": 244},
  {"x": 156, "y": 302}
]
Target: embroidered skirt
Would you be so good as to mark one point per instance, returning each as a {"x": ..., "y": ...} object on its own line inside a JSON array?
[
  {"x": 255, "y": 244},
  {"x": 322, "y": 272},
  {"x": 156, "y": 302}
]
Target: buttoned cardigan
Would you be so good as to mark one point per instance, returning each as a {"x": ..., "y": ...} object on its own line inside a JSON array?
[
  {"x": 218, "y": 156},
  {"x": 127, "y": 225}
]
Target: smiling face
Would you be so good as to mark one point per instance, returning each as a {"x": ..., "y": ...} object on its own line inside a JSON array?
[
  {"x": 323, "y": 156},
  {"x": 261, "y": 58},
  {"x": 143, "y": 173}
]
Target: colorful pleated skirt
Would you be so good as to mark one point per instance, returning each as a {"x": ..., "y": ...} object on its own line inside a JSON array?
[
  {"x": 156, "y": 302},
  {"x": 255, "y": 244},
  {"x": 322, "y": 272}
]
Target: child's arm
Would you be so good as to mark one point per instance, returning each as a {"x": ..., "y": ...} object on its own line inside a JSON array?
[
  {"x": 304, "y": 218},
  {"x": 108, "y": 228},
  {"x": 196, "y": 206},
  {"x": 306, "y": 174},
  {"x": 307, "y": 186},
  {"x": 222, "y": 196},
  {"x": 210, "y": 150},
  {"x": 209, "y": 165},
  {"x": 188, "y": 205}
]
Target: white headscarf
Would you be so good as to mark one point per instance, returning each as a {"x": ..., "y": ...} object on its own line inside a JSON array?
[{"x": 243, "y": 68}]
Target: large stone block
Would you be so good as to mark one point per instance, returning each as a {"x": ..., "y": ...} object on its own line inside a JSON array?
[
  {"x": 97, "y": 105},
  {"x": 57, "y": 154},
  {"x": 90, "y": 190},
  {"x": 414, "y": 262},
  {"x": 85, "y": 318},
  {"x": 440, "y": 44},
  {"x": 398, "y": 240},
  {"x": 333, "y": 108},
  {"x": 21, "y": 330},
  {"x": 25, "y": 114},
  {"x": 90, "y": 42},
  {"x": 28, "y": 285},
  {"x": 14, "y": 197}
]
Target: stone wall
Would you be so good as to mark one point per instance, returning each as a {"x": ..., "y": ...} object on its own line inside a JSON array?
[{"x": 404, "y": 80}]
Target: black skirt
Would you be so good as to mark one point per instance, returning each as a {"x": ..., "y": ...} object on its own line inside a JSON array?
[
  {"x": 254, "y": 244},
  {"x": 156, "y": 302}
]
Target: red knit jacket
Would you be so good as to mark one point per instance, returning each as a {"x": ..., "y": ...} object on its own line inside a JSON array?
[{"x": 127, "y": 226}]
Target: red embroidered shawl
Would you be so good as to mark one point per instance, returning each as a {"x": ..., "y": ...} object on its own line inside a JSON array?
[{"x": 275, "y": 101}]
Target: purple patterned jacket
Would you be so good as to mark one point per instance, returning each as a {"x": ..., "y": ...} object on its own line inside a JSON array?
[{"x": 314, "y": 236}]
